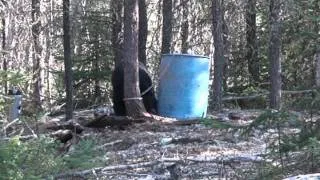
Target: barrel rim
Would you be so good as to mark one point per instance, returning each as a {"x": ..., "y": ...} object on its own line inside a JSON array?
[{"x": 189, "y": 55}]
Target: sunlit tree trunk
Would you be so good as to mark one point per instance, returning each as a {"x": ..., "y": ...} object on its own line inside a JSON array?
[
  {"x": 132, "y": 97},
  {"x": 36, "y": 78},
  {"x": 274, "y": 54},
  {"x": 67, "y": 60},
  {"x": 218, "y": 53},
  {"x": 166, "y": 26}
]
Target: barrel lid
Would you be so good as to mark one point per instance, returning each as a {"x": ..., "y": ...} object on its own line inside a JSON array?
[{"x": 188, "y": 55}]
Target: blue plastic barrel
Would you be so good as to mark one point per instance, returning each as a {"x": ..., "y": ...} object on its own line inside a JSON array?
[{"x": 184, "y": 86}]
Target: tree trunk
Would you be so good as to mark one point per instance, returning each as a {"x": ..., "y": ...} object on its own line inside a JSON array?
[
  {"x": 185, "y": 27},
  {"x": 167, "y": 26},
  {"x": 317, "y": 60},
  {"x": 317, "y": 53},
  {"x": 218, "y": 53},
  {"x": 67, "y": 59},
  {"x": 96, "y": 69},
  {"x": 274, "y": 54},
  {"x": 132, "y": 97},
  {"x": 116, "y": 7},
  {"x": 5, "y": 64},
  {"x": 226, "y": 46},
  {"x": 37, "y": 53},
  {"x": 251, "y": 45},
  {"x": 4, "y": 43},
  {"x": 143, "y": 31}
]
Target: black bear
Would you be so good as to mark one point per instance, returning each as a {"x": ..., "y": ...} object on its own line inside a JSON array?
[{"x": 146, "y": 90}]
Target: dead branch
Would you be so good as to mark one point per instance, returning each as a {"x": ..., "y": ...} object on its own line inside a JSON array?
[
  {"x": 62, "y": 135},
  {"x": 219, "y": 159},
  {"x": 9, "y": 124},
  {"x": 232, "y": 98},
  {"x": 21, "y": 138},
  {"x": 108, "y": 144}
]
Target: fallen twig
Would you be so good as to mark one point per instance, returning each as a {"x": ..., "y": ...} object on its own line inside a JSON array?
[
  {"x": 219, "y": 159},
  {"x": 9, "y": 124},
  {"x": 108, "y": 144},
  {"x": 21, "y": 138},
  {"x": 102, "y": 169}
]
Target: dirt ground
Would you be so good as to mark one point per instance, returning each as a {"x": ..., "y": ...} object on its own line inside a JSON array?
[{"x": 158, "y": 151}]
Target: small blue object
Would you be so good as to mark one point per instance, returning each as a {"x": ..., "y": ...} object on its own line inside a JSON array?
[{"x": 184, "y": 86}]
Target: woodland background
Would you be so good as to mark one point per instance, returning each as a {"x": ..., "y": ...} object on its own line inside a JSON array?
[
  {"x": 265, "y": 54},
  {"x": 32, "y": 48}
]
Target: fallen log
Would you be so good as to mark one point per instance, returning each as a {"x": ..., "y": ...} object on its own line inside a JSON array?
[
  {"x": 112, "y": 121},
  {"x": 62, "y": 135},
  {"x": 122, "y": 121},
  {"x": 62, "y": 125}
]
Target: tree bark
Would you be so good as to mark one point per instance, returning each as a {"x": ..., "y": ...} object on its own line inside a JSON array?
[
  {"x": 317, "y": 60},
  {"x": 167, "y": 15},
  {"x": 36, "y": 53},
  {"x": 218, "y": 53},
  {"x": 185, "y": 27},
  {"x": 251, "y": 45},
  {"x": 67, "y": 60},
  {"x": 132, "y": 97},
  {"x": 116, "y": 7},
  {"x": 274, "y": 54},
  {"x": 143, "y": 31},
  {"x": 317, "y": 53},
  {"x": 3, "y": 45},
  {"x": 96, "y": 69},
  {"x": 5, "y": 64}
]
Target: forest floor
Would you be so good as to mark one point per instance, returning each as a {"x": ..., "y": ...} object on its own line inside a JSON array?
[
  {"x": 153, "y": 150},
  {"x": 213, "y": 148}
]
